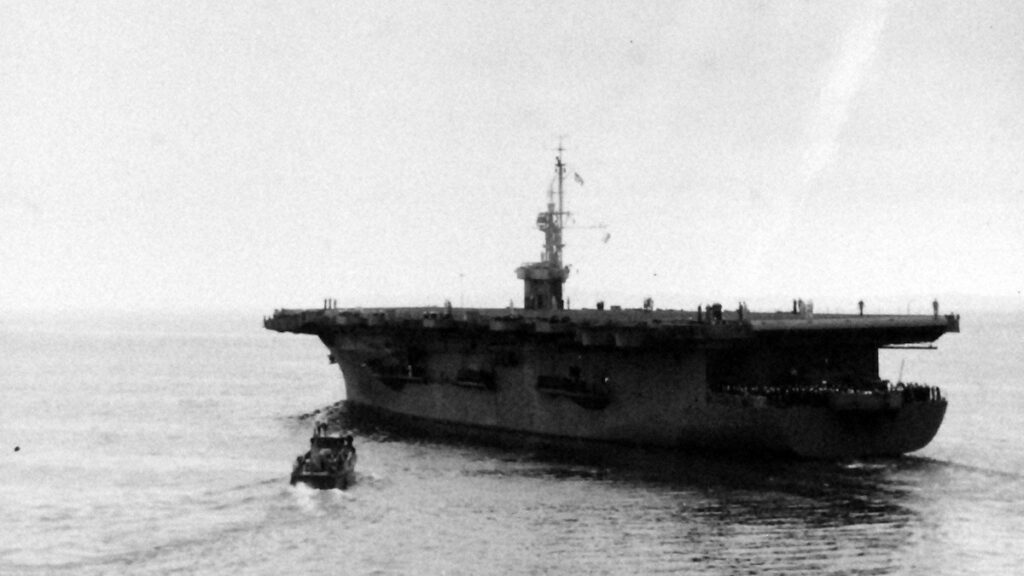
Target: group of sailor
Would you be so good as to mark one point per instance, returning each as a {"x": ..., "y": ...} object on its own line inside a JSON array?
[
  {"x": 318, "y": 459},
  {"x": 819, "y": 395}
]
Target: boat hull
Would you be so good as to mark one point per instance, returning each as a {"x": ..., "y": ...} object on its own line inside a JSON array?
[
  {"x": 329, "y": 463},
  {"x": 323, "y": 481},
  {"x": 911, "y": 431},
  {"x": 650, "y": 399}
]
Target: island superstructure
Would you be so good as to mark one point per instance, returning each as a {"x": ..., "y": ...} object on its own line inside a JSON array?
[{"x": 783, "y": 382}]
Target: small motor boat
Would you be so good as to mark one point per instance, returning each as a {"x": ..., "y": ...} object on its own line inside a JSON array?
[{"x": 329, "y": 463}]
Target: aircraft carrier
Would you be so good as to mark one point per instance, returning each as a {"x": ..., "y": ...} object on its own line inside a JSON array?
[{"x": 791, "y": 382}]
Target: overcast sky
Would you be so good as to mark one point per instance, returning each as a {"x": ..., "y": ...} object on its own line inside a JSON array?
[{"x": 269, "y": 154}]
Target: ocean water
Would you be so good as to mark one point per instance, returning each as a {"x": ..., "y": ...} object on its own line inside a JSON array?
[{"x": 161, "y": 444}]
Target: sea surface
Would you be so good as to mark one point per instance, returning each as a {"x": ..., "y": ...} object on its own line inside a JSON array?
[{"x": 162, "y": 444}]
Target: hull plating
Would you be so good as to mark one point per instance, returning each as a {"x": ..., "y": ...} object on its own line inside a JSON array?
[{"x": 647, "y": 398}]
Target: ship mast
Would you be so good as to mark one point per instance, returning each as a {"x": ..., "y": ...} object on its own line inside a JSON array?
[
  {"x": 555, "y": 221},
  {"x": 543, "y": 280}
]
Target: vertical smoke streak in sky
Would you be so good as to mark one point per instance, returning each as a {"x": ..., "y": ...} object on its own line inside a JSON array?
[{"x": 843, "y": 80}]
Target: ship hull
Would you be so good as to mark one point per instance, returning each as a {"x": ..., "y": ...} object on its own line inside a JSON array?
[
  {"x": 911, "y": 431},
  {"x": 647, "y": 398}
]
